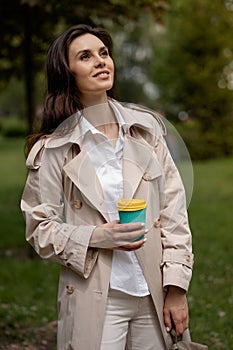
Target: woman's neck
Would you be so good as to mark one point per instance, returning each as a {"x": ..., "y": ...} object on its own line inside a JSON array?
[
  {"x": 93, "y": 99},
  {"x": 101, "y": 116}
]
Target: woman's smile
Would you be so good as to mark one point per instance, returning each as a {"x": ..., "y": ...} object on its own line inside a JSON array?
[{"x": 104, "y": 74}]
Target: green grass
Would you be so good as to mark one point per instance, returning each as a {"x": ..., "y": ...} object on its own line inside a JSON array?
[
  {"x": 28, "y": 287},
  {"x": 211, "y": 292},
  {"x": 27, "y": 291},
  {"x": 12, "y": 178}
]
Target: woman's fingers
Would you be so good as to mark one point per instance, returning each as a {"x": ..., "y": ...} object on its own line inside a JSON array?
[
  {"x": 176, "y": 319},
  {"x": 134, "y": 245},
  {"x": 113, "y": 235},
  {"x": 128, "y": 232},
  {"x": 180, "y": 322},
  {"x": 176, "y": 310}
]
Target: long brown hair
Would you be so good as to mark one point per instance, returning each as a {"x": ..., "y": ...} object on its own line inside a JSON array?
[{"x": 63, "y": 97}]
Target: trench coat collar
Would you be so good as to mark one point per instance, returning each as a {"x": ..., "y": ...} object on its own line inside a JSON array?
[
  {"x": 136, "y": 157},
  {"x": 70, "y": 132}
]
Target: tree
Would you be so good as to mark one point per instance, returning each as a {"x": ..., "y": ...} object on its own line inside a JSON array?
[
  {"x": 193, "y": 68},
  {"x": 22, "y": 45},
  {"x": 28, "y": 27},
  {"x": 196, "y": 48}
]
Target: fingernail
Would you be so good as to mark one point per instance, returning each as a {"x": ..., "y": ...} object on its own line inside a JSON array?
[
  {"x": 145, "y": 239},
  {"x": 142, "y": 224},
  {"x": 167, "y": 329},
  {"x": 146, "y": 230}
]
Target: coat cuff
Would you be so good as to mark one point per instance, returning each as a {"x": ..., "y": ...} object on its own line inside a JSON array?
[
  {"x": 178, "y": 256},
  {"x": 77, "y": 254},
  {"x": 177, "y": 268}
]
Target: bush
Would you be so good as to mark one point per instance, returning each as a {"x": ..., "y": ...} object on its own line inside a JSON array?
[
  {"x": 13, "y": 127},
  {"x": 216, "y": 142}
]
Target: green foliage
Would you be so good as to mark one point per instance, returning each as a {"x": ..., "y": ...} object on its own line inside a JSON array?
[
  {"x": 132, "y": 56},
  {"x": 193, "y": 71},
  {"x": 183, "y": 68},
  {"x": 13, "y": 127},
  {"x": 209, "y": 144},
  {"x": 28, "y": 28},
  {"x": 12, "y": 99},
  {"x": 194, "y": 48},
  {"x": 184, "y": 65}
]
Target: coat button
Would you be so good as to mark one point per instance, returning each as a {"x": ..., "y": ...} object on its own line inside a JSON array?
[
  {"x": 157, "y": 223},
  {"x": 78, "y": 204},
  {"x": 70, "y": 288},
  {"x": 147, "y": 177}
]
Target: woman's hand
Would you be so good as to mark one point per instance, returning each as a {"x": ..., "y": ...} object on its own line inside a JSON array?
[
  {"x": 176, "y": 310},
  {"x": 113, "y": 235}
]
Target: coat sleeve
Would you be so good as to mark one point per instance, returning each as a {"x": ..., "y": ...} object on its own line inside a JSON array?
[
  {"x": 43, "y": 208},
  {"x": 176, "y": 237}
]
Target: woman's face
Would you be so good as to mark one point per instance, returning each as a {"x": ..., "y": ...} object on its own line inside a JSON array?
[{"x": 91, "y": 65}]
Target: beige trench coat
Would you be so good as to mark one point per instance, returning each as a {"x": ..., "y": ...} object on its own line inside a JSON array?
[{"x": 63, "y": 202}]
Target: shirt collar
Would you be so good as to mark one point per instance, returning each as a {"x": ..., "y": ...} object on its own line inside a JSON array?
[{"x": 120, "y": 120}]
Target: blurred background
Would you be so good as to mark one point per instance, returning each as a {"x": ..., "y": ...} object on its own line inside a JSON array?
[{"x": 175, "y": 57}]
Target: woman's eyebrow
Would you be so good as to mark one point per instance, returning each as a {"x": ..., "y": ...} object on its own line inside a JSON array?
[
  {"x": 82, "y": 51},
  {"x": 102, "y": 48},
  {"x": 88, "y": 50}
]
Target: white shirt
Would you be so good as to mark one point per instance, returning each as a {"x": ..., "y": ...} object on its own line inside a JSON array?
[{"x": 126, "y": 274}]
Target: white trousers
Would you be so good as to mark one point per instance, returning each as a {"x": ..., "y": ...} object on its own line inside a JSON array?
[{"x": 131, "y": 323}]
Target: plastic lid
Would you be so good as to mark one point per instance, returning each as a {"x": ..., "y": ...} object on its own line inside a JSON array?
[{"x": 131, "y": 204}]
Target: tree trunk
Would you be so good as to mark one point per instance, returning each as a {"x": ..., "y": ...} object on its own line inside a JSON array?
[{"x": 29, "y": 67}]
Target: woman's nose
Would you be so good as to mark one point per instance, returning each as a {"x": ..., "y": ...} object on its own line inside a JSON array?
[{"x": 100, "y": 62}]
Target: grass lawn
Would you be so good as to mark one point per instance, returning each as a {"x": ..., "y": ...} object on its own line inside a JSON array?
[
  {"x": 211, "y": 293},
  {"x": 28, "y": 287}
]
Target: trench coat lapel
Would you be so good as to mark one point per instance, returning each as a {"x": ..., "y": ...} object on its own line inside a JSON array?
[
  {"x": 137, "y": 155},
  {"x": 136, "y": 158},
  {"x": 82, "y": 174}
]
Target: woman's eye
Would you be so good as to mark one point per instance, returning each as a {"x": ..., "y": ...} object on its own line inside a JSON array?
[
  {"x": 84, "y": 57},
  {"x": 104, "y": 53}
]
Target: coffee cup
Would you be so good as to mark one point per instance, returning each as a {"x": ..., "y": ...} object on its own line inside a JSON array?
[{"x": 132, "y": 210}]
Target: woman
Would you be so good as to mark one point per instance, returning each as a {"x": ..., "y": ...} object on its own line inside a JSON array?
[{"x": 115, "y": 292}]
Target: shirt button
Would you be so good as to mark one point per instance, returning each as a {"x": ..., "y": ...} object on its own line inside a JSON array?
[
  {"x": 70, "y": 288},
  {"x": 188, "y": 258},
  {"x": 78, "y": 204},
  {"x": 147, "y": 177},
  {"x": 157, "y": 223}
]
